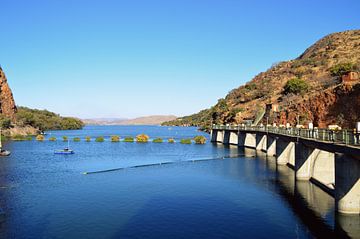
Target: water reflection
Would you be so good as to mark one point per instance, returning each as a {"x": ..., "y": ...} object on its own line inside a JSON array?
[{"x": 314, "y": 207}]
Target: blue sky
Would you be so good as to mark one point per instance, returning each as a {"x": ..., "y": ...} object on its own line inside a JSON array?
[{"x": 108, "y": 58}]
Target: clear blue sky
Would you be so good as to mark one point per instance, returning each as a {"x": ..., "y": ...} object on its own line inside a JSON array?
[{"x": 106, "y": 58}]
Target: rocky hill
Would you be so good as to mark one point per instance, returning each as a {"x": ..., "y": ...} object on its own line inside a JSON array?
[
  {"x": 7, "y": 102},
  {"x": 307, "y": 89}
]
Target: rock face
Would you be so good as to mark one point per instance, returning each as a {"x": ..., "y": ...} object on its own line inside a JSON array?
[{"x": 7, "y": 102}]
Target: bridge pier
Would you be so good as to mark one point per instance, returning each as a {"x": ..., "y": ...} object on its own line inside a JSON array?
[
  {"x": 285, "y": 152},
  {"x": 335, "y": 168},
  {"x": 220, "y": 136},
  {"x": 271, "y": 145},
  {"x": 261, "y": 140},
  {"x": 233, "y": 138},
  {"x": 347, "y": 179},
  {"x": 250, "y": 140},
  {"x": 315, "y": 164}
]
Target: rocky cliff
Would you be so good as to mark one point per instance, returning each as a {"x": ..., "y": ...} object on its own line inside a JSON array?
[
  {"x": 7, "y": 102},
  {"x": 310, "y": 88}
]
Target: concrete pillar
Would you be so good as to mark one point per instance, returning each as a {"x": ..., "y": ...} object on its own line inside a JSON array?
[
  {"x": 261, "y": 142},
  {"x": 347, "y": 184},
  {"x": 323, "y": 168},
  {"x": 285, "y": 152},
  {"x": 303, "y": 156},
  {"x": 233, "y": 138},
  {"x": 250, "y": 140},
  {"x": 271, "y": 145},
  {"x": 220, "y": 136}
]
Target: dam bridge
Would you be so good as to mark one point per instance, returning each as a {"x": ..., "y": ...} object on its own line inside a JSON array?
[{"x": 330, "y": 159}]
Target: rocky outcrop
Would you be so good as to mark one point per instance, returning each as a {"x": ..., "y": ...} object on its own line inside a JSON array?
[{"x": 7, "y": 102}]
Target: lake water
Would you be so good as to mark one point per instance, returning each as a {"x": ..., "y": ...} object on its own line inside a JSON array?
[{"x": 206, "y": 191}]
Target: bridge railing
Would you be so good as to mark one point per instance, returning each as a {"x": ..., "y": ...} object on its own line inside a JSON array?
[{"x": 349, "y": 137}]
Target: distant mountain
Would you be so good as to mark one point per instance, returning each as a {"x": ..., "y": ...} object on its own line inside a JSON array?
[
  {"x": 103, "y": 121},
  {"x": 146, "y": 120}
]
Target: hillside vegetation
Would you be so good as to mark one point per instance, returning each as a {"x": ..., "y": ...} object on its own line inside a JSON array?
[
  {"x": 45, "y": 120},
  {"x": 306, "y": 89}
]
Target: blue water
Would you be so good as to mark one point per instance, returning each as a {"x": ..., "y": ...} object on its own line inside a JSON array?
[{"x": 242, "y": 195}]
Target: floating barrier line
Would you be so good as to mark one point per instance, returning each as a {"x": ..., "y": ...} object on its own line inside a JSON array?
[{"x": 162, "y": 163}]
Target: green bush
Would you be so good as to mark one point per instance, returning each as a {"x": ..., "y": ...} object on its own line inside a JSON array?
[
  {"x": 40, "y": 137},
  {"x": 46, "y": 120},
  {"x": 5, "y": 122},
  {"x": 171, "y": 140},
  {"x": 76, "y": 139},
  {"x": 158, "y": 140},
  {"x": 65, "y": 138},
  {"x": 185, "y": 141},
  {"x": 342, "y": 69},
  {"x": 87, "y": 138},
  {"x": 200, "y": 139},
  {"x": 99, "y": 139},
  {"x": 52, "y": 139},
  {"x": 142, "y": 138},
  {"x": 129, "y": 139},
  {"x": 296, "y": 86},
  {"x": 115, "y": 138}
]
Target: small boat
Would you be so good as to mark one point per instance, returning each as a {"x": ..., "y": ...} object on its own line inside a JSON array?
[
  {"x": 3, "y": 152},
  {"x": 66, "y": 150}
]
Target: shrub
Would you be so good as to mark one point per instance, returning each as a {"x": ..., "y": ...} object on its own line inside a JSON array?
[
  {"x": 142, "y": 138},
  {"x": 158, "y": 140},
  {"x": 200, "y": 139},
  {"x": 46, "y": 120},
  {"x": 65, "y": 138},
  {"x": 87, "y": 138},
  {"x": 171, "y": 141},
  {"x": 296, "y": 86},
  {"x": 129, "y": 139},
  {"x": 342, "y": 69},
  {"x": 5, "y": 122},
  {"x": 99, "y": 139},
  {"x": 52, "y": 139},
  {"x": 115, "y": 138},
  {"x": 76, "y": 139},
  {"x": 185, "y": 141},
  {"x": 40, "y": 137}
]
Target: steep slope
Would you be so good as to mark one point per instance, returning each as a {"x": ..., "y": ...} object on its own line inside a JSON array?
[
  {"x": 7, "y": 102},
  {"x": 306, "y": 89}
]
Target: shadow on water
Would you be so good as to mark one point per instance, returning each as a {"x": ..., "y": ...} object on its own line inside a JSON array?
[{"x": 310, "y": 204}]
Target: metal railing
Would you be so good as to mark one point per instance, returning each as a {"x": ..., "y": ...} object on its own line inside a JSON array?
[{"x": 348, "y": 137}]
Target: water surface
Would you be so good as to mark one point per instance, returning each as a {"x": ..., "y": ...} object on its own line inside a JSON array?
[{"x": 242, "y": 195}]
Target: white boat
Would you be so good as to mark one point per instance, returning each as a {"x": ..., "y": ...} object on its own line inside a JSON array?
[{"x": 66, "y": 150}]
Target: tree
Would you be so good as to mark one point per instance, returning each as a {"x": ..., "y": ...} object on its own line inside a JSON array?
[
  {"x": 342, "y": 69},
  {"x": 295, "y": 86}
]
